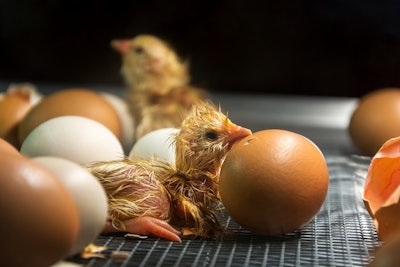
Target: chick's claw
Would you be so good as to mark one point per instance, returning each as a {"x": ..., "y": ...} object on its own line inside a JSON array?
[{"x": 147, "y": 226}]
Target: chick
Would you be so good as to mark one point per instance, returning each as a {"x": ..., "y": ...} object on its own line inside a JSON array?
[
  {"x": 147, "y": 197},
  {"x": 159, "y": 92},
  {"x": 205, "y": 137}
]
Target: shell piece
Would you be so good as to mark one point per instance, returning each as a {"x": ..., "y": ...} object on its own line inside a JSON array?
[{"x": 382, "y": 189}]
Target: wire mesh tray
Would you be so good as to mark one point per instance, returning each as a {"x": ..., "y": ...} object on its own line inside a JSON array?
[{"x": 342, "y": 234}]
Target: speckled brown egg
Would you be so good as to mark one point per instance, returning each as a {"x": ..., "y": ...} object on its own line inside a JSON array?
[
  {"x": 273, "y": 182},
  {"x": 74, "y": 101},
  {"x": 39, "y": 219},
  {"x": 375, "y": 120}
]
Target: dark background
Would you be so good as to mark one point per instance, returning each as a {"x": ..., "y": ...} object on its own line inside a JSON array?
[{"x": 331, "y": 47}]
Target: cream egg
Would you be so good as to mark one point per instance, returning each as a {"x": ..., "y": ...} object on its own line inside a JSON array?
[
  {"x": 76, "y": 138},
  {"x": 156, "y": 144}
]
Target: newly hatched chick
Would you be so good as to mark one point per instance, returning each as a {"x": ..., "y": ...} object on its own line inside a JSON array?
[
  {"x": 159, "y": 94},
  {"x": 147, "y": 197}
]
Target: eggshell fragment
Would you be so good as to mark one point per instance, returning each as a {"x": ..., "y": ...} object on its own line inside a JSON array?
[
  {"x": 156, "y": 144},
  {"x": 39, "y": 220},
  {"x": 382, "y": 189},
  {"x": 273, "y": 182},
  {"x": 71, "y": 102},
  {"x": 375, "y": 120},
  {"x": 75, "y": 138},
  {"x": 88, "y": 194}
]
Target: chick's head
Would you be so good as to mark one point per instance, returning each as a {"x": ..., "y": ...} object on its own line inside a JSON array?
[
  {"x": 205, "y": 136},
  {"x": 148, "y": 59}
]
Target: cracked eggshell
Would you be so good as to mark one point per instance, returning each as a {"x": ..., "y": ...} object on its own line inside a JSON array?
[
  {"x": 88, "y": 194},
  {"x": 15, "y": 103}
]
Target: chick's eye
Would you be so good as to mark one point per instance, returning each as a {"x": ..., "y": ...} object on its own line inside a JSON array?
[
  {"x": 211, "y": 135},
  {"x": 138, "y": 50}
]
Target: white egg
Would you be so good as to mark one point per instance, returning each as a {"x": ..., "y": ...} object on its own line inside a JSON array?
[
  {"x": 126, "y": 119},
  {"x": 89, "y": 195},
  {"x": 76, "y": 138},
  {"x": 159, "y": 143}
]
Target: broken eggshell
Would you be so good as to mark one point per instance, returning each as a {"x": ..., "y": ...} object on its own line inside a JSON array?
[{"x": 382, "y": 189}]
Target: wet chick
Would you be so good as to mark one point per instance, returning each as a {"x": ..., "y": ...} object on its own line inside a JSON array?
[
  {"x": 205, "y": 137},
  {"x": 159, "y": 92},
  {"x": 147, "y": 197}
]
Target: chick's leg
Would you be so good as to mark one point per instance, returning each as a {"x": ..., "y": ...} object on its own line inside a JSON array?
[{"x": 147, "y": 226}]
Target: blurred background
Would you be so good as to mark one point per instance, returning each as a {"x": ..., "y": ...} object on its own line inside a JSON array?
[{"x": 330, "y": 48}]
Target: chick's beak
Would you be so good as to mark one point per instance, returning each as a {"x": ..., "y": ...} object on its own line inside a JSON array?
[
  {"x": 236, "y": 133},
  {"x": 121, "y": 46}
]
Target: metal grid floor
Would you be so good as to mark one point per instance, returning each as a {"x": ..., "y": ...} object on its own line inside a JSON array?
[{"x": 342, "y": 234}]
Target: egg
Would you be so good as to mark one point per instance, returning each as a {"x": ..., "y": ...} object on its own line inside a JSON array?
[
  {"x": 375, "y": 120},
  {"x": 74, "y": 101},
  {"x": 159, "y": 144},
  {"x": 88, "y": 194},
  {"x": 125, "y": 117},
  {"x": 382, "y": 189},
  {"x": 15, "y": 103},
  {"x": 273, "y": 182},
  {"x": 39, "y": 219},
  {"x": 75, "y": 138},
  {"x": 6, "y": 147}
]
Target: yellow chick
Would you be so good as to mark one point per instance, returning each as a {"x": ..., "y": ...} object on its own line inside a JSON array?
[
  {"x": 159, "y": 93},
  {"x": 151, "y": 196}
]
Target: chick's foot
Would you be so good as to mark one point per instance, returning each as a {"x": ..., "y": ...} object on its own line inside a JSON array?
[{"x": 147, "y": 226}]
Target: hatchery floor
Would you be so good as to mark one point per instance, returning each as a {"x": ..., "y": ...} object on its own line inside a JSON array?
[{"x": 342, "y": 234}]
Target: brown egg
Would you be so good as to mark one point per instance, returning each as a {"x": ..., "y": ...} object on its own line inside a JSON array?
[
  {"x": 79, "y": 102},
  {"x": 39, "y": 219},
  {"x": 375, "y": 120},
  {"x": 273, "y": 182},
  {"x": 13, "y": 108},
  {"x": 6, "y": 147},
  {"x": 382, "y": 190}
]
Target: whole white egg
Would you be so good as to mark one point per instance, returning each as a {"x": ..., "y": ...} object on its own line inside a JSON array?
[
  {"x": 75, "y": 138},
  {"x": 88, "y": 194},
  {"x": 159, "y": 143}
]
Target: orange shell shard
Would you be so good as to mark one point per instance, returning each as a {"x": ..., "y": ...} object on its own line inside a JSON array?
[{"x": 382, "y": 189}]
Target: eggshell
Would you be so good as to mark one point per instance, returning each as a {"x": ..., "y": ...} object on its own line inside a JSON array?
[
  {"x": 75, "y": 138},
  {"x": 76, "y": 102},
  {"x": 273, "y": 182},
  {"x": 6, "y": 147},
  {"x": 125, "y": 117},
  {"x": 88, "y": 194},
  {"x": 39, "y": 219},
  {"x": 156, "y": 144},
  {"x": 375, "y": 120},
  {"x": 15, "y": 103},
  {"x": 382, "y": 189}
]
